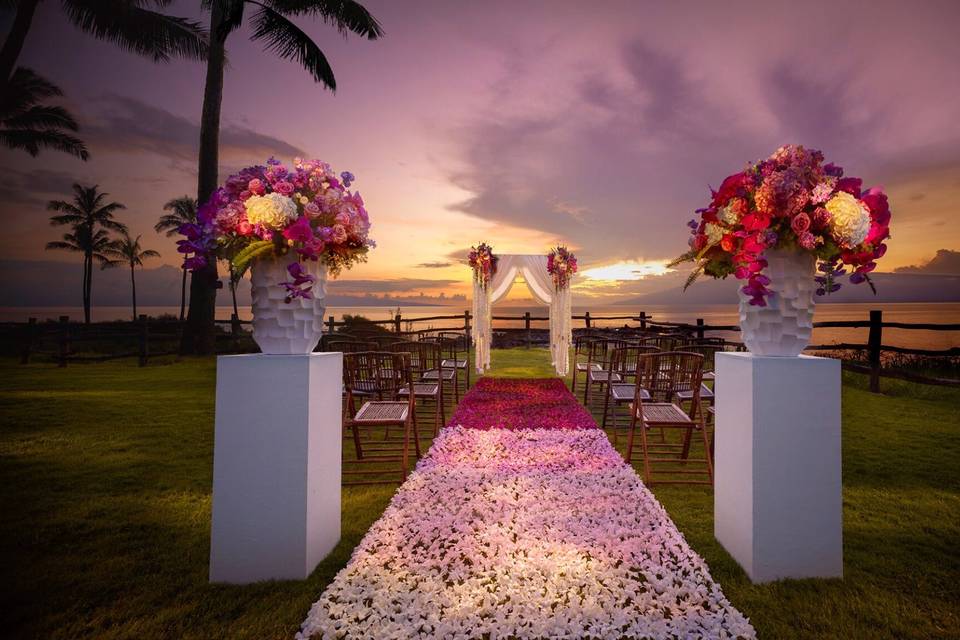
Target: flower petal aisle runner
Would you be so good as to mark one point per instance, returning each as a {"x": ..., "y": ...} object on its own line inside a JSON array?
[{"x": 524, "y": 533}]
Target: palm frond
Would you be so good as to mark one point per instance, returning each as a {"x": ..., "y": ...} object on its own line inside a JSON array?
[
  {"x": 290, "y": 43},
  {"x": 33, "y": 141},
  {"x": 63, "y": 245},
  {"x": 25, "y": 89},
  {"x": 346, "y": 15},
  {"x": 693, "y": 277},
  {"x": 42, "y": 117},
  {"x": 686, "y": 257},
  {"x": 139, "y": 30},
  {"x": 242, "y": 260}
]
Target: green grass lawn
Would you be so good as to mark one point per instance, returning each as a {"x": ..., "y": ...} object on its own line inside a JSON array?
[{"x": 105, "y": 514}]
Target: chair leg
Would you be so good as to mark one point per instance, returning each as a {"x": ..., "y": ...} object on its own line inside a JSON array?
[
  {"x": 573, "y": 382},
  {"x": 356, "y": 441},
  {"x": 687, "y": 436},
  {"x": 416, "y": 439},
  {"x": 633, "y": 428},
  {"x": 404, "y": 461},
  {"x": 606, "y": 406},
  {"x": 708, "y": 452},
  {"x": 586, "y": 388},
  {"x": 646, "y": 455}
]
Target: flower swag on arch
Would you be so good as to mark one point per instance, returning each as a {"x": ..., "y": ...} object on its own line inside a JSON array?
[{"x": 547, "y": 278}]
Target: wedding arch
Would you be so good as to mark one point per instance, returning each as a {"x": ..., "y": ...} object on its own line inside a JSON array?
[{"x": 539, "y": 281}]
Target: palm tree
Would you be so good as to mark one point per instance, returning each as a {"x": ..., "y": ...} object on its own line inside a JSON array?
[
  {"x": 270, "y": 25},
  {"x": 27, "y": 124},
  {"x": 90, "y": 217},
  {"x": 183, "y": 210},
  {"x": 128, "y": 250},
  {"x": 95, "y": 247},
  {"x": 126, "y": 23}
]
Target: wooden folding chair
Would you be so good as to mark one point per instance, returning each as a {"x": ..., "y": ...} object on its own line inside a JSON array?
[
  {"x": 662, "y": 375},
  {"x": 378, "y": 376},
  {"x": 449, "y": 371},
  {"x": 459, "y": 353},
  {"x": 581, "y": 351},
  {"x": 424, "y": 358},
  {"x": 623, "y": 363},
  {"x": 598, "y": 374}
]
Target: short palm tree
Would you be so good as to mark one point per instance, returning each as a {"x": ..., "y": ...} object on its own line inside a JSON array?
[
  {"x": 90, "y": 217},
  {"x": 183, "y": 210},
  {"x": 271, "y": 25},
  {"x": 127, "y": 23},
  {"x": 95, "y": 247},
  {"x": 27, "y": 124},
  {"x": 127, "y": 250}
]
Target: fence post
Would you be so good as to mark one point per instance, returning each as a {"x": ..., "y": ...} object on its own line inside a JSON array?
[
  {"x": 332, "y": 325},
  {"x": 396, "y": 323},
  {"x": 64, "y": 340},
  {"x": 526, "y": 325},
  {"x": 874, "y": 341},
  {"x": 643, "y": 320},
  {"x": 30, "y": 331},
  {"x": 586, "y": 319},
  {"x": 466, "y": 326},
  {"x": 699, "y": 328},
  {"x": 144, "y": 340}
]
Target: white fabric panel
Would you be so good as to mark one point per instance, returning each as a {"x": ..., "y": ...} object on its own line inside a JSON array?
[{"x": 540, "y": 283}]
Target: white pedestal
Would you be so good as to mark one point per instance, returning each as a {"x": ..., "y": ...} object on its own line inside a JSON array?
[
  {"x": 777, "y": 501},
  {"x": 276, "y": 465}
]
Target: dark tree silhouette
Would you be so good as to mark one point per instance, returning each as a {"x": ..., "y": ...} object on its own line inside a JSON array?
[
  {"x": 127, "y": 250},
  {"x": 29, "y": 125},
  {"x": 271, "y": 25},
  {"x": 182, "y": 210},
  {"x": 90, "y": 219}
]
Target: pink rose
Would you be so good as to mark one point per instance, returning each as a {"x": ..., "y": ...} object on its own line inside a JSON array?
[
  {"x": 343, "y": 218},
  {"x": 800, "y": 223},
  {"x": 256, "y": 187},
  {"x": 311, "y": 210},
  {"x": 339, "y": 234},
  {"x": 807, "y": 240},
  {"x": 284, "y": 188}
]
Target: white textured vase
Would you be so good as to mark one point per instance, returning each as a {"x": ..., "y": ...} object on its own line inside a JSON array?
[
  {"x": 281, "y": 327},
  {"x": 784, "y": 326}
]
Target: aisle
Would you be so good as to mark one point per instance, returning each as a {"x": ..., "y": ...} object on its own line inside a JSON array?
[{"x": 523, "y": 533}]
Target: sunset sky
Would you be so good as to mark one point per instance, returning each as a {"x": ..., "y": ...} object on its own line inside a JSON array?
[{"x": 599, "y": 125}]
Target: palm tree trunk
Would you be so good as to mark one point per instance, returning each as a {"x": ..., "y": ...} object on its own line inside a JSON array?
[
  {"x": 183, "y": 295},
  {"x": 14, "y": 42},
  {"x": 198, "y": 335},
  {"x": 87, "y": 288},
  {"x": 133, "y": 286}
]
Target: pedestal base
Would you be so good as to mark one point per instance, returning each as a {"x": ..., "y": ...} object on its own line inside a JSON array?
[
  {"x": 778, "y": 502},
  {"x": 276, "y": 465}
]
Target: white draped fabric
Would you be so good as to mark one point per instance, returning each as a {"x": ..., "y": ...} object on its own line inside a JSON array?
[{"x": 540, "y": 283}]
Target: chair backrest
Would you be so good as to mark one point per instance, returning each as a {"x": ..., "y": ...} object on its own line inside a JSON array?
[
  {"x": 377, "y": 373},
  {"x": 708, "y": 348},
  {"x": 626, "y": 359},
  {"x": 664, "y": 341},
  {"x": 349, "y": 346},
  {"x": 461, "y": 340},
  {"x": 450, "y": 347},
  {"x": 600, "y": 350},
  {"x": 386, "y": 339},
  {"x": 666, "y": 373},
  {"x": 424, "y": 356}
]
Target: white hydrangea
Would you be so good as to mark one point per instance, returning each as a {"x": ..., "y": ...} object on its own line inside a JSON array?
[
  {"x": 714, "y": 233},
  {"x": 273, "y": 210},
  {"x": 849, "y": 219},
  {"x": 729, "y": 215}
]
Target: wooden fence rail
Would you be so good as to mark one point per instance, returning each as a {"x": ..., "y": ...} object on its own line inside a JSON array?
[{"x": 143, "y": 334}]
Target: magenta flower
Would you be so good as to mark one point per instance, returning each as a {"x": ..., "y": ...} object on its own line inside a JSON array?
[{"x": 299, "y": 231}]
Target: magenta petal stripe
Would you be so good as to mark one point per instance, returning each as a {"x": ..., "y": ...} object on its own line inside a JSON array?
[
  {"x": 529, "y": 534},
  {"x": 513, "y": 403}
]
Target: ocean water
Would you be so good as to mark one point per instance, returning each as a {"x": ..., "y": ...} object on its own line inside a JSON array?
[{"x": 712, "y": 314}]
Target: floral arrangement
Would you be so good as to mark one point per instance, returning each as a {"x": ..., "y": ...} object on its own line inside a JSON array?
[
  {"x": 561, "y": 264},
  {"x": 271, "y": 210},
  {"x": 536, "y": 533},
  {"x": 511, "y": 403},
  {"x": 483, "y": 262},
  {"x": 791, "y": 200}
]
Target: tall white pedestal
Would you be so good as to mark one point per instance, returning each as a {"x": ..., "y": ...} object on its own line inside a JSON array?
[
  {"x": 276, "y": 465},
  {"x": 777, "y": 500}
]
